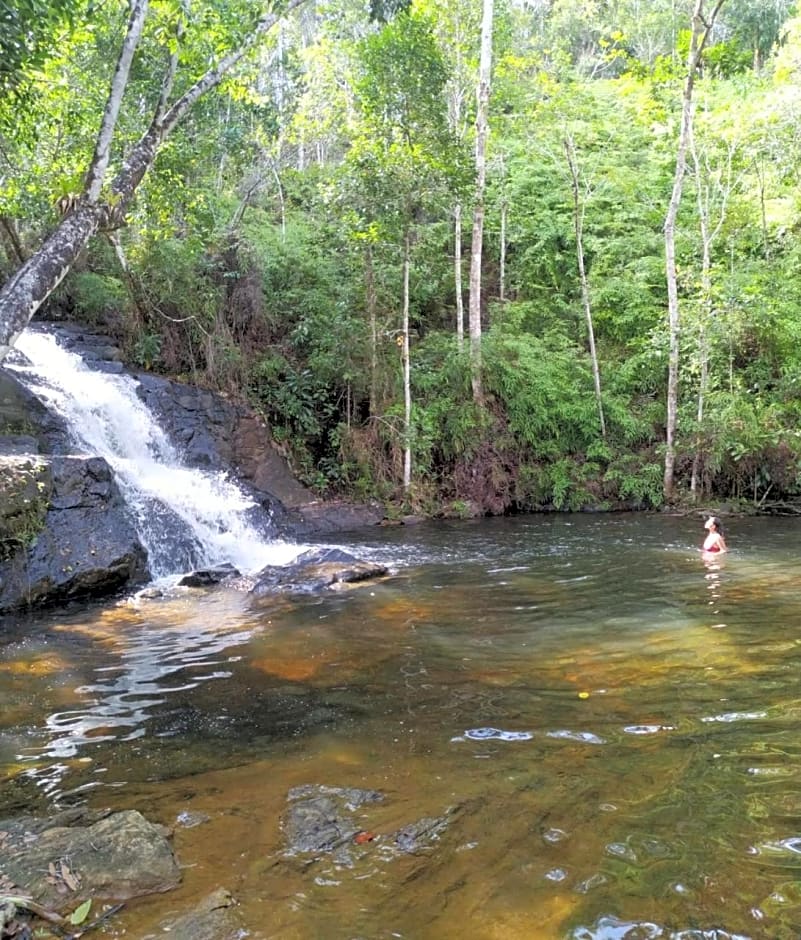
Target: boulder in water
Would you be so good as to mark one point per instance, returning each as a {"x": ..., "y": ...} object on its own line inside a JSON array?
[
  {"x": 65, "y": 531},
  {"x": 206, "y": 577},
  {"x": 313, "y": 571},
  {"x": 121, "y": 856}
]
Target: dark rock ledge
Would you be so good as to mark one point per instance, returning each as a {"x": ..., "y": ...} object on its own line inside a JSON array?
[{"x": 65, "y": 531}]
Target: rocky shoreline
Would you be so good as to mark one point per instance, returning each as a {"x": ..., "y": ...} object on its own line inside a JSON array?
[{"x": 89, "y": 863}]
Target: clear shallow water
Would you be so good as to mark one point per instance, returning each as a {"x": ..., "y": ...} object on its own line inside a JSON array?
[{"x": 616, "y": 721}]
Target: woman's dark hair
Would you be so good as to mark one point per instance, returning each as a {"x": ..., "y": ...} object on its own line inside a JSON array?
[{"x": 716, "y": 522}]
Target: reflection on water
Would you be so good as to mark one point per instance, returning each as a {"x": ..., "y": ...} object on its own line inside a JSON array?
[{"x": 611, "y": 720}]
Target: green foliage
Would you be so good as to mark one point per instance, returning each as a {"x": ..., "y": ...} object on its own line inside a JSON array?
[
  {"x": 546, "y": 386},
  {"x": 402, "y": 78},
  {"x": 749, "y": 446},
  {"x": 97, "y": 296},
  {"x": 446, "y": 425},
  {"x": 265, "y": 245},
  {"x": 28, "y": 31},
  {"x": 146, "y": 350},
  {"x": 635, "y": 481}
]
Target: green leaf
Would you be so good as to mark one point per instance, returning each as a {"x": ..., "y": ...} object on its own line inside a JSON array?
[{"x": 79, "y": 915}]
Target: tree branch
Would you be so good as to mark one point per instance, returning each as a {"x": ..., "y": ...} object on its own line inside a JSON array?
[{"x": 100, "y": 160}]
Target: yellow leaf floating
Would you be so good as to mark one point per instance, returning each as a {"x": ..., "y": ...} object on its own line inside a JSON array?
[{"x": 584, "y": 694}]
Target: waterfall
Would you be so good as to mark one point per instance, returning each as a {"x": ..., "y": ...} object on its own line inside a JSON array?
[{"x": 186, "y": 518}]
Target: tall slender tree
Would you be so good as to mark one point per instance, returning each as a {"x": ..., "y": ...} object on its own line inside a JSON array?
[
  {"x": 578, "y": 228},
  {"x": 702, "y": 24},
  {"x": 482, "y": 133}
]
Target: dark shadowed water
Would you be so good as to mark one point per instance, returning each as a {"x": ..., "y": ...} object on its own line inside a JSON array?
[{"x": 616, "y": 722}]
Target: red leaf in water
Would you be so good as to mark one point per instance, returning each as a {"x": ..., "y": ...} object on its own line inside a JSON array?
[{"x": 364, "y": 836}]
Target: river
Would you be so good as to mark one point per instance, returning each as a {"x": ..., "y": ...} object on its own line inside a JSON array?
[{"x": 616, "y": 720}]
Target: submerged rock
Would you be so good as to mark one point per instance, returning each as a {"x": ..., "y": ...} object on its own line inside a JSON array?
[
  {"x": 313, "y": 571},
  {"x": 216, "y": 917},
  {"x": 331, "y": 820},
  {"x": 119, "y": 857},
  {"x": 321, "y": 819}
]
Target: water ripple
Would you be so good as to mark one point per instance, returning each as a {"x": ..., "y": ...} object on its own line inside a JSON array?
[
  {"x": 496, "y": 734},
  {"x": 585, "y": 737}
]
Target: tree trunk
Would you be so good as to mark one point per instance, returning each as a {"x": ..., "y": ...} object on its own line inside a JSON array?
[
  {"x": 128, "y": 276},
  {"x": 482, "y": 132},
  {"x": 407, "y": 375},
  {"x": 23, "y": 294},
  {"x": 708, "y": 236},
  {"x": 96, "y": 174},
  {"x": 457, "y": 273},
  {"x": 578, "y": 225},
  {"x": 370, "y": 303},
  {"x": 13, "y": 245},
  {"x": 502, "y": 253},
  {"x": 701, "y": 29}
]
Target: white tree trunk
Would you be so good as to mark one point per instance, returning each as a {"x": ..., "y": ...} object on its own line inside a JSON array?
[
  {"x": 371, "y": 304},
  {"x": 482, "y": 133},
  {"x": 407, "y": 373},
  {"x": 578, "y": 225},
  {"x": 99, "y": 165},
  {"x": 701, "y": 28},
  {"x": 502, "y": 254},
  {"x": 457, "y": 273},
  {"x": 703, "y": 188}
]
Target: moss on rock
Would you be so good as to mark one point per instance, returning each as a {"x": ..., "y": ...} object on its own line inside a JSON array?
[{"x": 25, "y": 490}]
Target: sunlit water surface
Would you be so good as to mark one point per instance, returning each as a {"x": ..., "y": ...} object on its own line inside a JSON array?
[{"x": 618, "y": 721}]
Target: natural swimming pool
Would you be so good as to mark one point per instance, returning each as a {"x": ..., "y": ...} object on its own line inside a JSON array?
[{"x": 613, "y": 723}]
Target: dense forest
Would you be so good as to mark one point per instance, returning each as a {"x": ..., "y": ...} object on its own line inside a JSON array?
[{"x": 465, "y": 257}]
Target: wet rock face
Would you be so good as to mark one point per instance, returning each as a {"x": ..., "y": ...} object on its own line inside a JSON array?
[
  {"x": 76, "y": 540},
  {"x": 206, "y": 577},
  {"x": 314, "y": 571},
  {"x": 214, "y": 433},
  {"x": 26, "y": 426},
  {"x": 119, "y": 857}
]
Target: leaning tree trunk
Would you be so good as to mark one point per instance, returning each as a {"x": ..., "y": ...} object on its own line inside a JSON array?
[
  {"x": 701, "y": 29},
  {"x": 12, "y": 243},
  {"x": 23, "y": 294}
]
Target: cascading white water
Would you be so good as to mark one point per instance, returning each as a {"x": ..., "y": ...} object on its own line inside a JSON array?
[{"x": 186, "y": 518}]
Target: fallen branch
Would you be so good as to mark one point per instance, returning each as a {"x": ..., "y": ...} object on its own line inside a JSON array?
[{"x": 29, "y": 904}]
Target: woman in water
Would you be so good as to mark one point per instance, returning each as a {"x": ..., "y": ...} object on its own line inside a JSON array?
[{"x": 714, "y": 541}]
